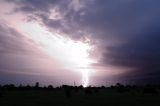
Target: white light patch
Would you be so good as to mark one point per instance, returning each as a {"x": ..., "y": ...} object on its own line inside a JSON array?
[
  {"x": 85, "y": 77},
  {"x": 73, "y": 55}
]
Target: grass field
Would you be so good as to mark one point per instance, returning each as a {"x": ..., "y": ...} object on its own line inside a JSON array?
[{"x": 102, "y": 97}]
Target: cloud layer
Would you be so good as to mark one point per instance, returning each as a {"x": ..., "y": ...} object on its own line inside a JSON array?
[{"x": 125, "y": 33}]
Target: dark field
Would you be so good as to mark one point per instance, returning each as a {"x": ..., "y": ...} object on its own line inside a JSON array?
[{"x": 78, "y": 96}]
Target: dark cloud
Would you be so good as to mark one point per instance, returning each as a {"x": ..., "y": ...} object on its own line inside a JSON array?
[
  {"x": 34, "y": 5},
  {"x": 141, "y": 54},
  {"x": 126, "y": 33},
  {"x": 101, "y": 19},
  {"x": 67, "y": 9}
]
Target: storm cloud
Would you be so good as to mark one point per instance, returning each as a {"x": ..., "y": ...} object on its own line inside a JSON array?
[{"x": 125, "y": 33}]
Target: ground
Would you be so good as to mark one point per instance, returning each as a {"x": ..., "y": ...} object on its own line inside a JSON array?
[{"x": 102, "y": 97}]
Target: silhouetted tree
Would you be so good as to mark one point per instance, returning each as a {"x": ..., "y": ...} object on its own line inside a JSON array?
[
  {"x": 10, "y": 86},
  {"x": 37, "y": 85},
  {"x": 119, "y": 85},
  {"x": 50, "y": 87},
  {"x": 120, "y": 88},
  {"x": 20, "y": 86},
  {"x": 80, "y": 87},
  {"x": 28, "y": 87},
  {"x": 45, "y": 87}
]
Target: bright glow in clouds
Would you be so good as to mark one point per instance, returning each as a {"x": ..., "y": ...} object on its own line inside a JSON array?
[{"x": 73, "y": 55}]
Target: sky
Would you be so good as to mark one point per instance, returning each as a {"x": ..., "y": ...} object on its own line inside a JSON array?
[{"x": 87, "y": 42}]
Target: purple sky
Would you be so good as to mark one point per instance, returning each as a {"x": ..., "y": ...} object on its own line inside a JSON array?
[{"x": 90, "y": 42}]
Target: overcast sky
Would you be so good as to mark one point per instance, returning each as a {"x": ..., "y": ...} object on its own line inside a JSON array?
[{"x": 61, "y": 41}]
